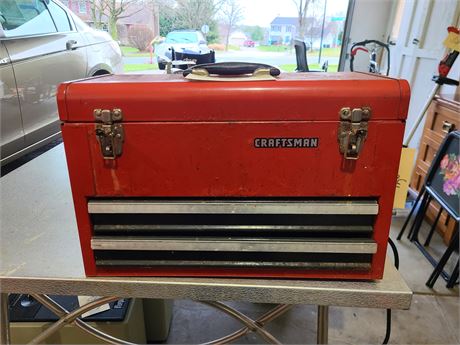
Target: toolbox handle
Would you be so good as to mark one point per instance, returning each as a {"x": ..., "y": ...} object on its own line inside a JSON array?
[{"x": 231, "y": 69}]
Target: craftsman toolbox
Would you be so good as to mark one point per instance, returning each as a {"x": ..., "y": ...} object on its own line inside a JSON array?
[{"x": 292, "y": 177}]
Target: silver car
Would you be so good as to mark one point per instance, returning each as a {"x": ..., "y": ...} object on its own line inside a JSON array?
[
  {"x": 187, "y": 41},
  {"x": 42, "y": 44}
]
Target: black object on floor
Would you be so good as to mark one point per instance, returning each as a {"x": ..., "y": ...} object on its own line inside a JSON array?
[
  {"x": 388, "y": 323},
  {"x": 23, "y": 308}
]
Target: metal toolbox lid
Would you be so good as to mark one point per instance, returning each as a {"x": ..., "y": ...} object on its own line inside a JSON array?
[{"x": 291, "y": 97}]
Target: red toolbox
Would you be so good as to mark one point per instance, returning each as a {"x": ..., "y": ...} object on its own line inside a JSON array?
[{"x": 292, "y": 177}]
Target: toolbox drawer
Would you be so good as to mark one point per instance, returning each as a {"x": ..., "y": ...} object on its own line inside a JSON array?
[{"x": 235, "y": 233}]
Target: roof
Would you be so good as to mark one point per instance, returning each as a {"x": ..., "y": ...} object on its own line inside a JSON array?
[
  {"x": 238, "y": 35},
  {"x": 185, "y": 30},
  {"x": 285, "y": 21}
]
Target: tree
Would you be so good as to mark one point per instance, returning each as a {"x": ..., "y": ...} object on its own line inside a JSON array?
[
  {"x": 161, "y": 18},
  {"x": 97, "y": 8},
  {"x": 113, "y": 10},
  {"x": 193, "y": 14},
  {"x": 232, "y": 14},
  {"x": 167, "y": 22},
  {"x": 116, "y": 9},
  {"x": 302, "y": 7},
  {"x": 213, "y": 35},
  {"x": 173, "y": 16},
  {"x": 167, "y": 16},
  {"x": 140, "y": 36},
  {"x": 255, "y": 32}
]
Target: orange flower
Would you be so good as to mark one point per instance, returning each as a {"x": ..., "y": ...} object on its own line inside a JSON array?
[{"x": 444, "y": 162}]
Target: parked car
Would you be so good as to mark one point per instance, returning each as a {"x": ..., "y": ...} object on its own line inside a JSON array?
[
  {"x": 249, "y": 43},
  {"x": 183, "y": 41},
  {"x": 42, "y": 44}
]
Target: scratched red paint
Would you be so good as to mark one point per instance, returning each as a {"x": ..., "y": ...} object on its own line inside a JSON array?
[{"x": 196, "y": 139}]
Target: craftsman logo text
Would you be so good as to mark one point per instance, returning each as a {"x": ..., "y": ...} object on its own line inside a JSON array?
[{"x": 274, "y": 143}]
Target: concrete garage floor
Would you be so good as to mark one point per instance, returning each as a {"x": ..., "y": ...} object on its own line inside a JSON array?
[{"x": 432, "y": 319}]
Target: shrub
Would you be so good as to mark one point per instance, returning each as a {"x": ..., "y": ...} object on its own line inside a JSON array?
[
  {"x": 216, "y": 46},
  {"x": 140, "y": 36}
]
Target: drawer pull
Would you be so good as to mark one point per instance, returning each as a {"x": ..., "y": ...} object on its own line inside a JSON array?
[{"x": 447, "y": 127}]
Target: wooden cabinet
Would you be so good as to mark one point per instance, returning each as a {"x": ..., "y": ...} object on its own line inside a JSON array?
[{"x": 443, "y": 116}]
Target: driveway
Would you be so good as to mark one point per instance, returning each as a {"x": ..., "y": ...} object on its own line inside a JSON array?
[
  {"x": 249, "y": 55},
  {"x": 136, "y": 60},
  {"x": 270, "y": 58}
]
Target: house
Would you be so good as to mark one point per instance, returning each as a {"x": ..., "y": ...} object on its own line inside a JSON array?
[
  {"x": 313, "y": 36},
  {"x": 136, "y": 14},
  {"x": 81, "y": 8},
  {"x": 237, "y": 38},
  {"x": 283, "y": 30}
]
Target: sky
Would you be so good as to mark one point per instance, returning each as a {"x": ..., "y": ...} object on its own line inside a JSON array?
[{"x": 262, "y": 12}]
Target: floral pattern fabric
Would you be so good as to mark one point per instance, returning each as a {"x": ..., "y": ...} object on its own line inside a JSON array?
[{"x": 450, "y": 171}]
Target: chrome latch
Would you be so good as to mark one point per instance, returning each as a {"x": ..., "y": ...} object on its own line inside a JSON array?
[
  {"x": 109, "y": 132},
  {"x": 353, "y": 131}
]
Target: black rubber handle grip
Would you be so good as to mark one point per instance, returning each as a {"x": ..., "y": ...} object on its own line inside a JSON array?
[{"x": 233, "y": 68}]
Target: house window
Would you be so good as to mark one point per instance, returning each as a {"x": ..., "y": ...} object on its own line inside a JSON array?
[
  {"x": 276, "y": 28},
  {"x": 82, "y": 6},
  {"x": 288, "y": 28}
]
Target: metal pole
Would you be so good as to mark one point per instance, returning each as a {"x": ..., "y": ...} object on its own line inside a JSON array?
[
  {"x": 71, "y": 317},
  {"x": 421, "y": 115},
  {"x": 272, "y": 314},
  {"x": 61, "y": 311},
  {"x": 322, "y": 32},
  {"x": 4, "y": 322},
  {"x": 323, "y": 324},
  {"x": 251, "y": 324}
]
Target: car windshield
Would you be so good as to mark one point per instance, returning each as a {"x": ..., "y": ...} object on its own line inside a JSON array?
[{"x": 182, "y": 37}]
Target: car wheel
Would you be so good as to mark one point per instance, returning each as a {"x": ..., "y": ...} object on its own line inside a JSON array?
[
  {"x": 161, "y": 65},
  {"x": 100, "y": 72}
]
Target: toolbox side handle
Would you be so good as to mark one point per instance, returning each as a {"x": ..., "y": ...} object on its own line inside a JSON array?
[{"x": 233, "y": 70}]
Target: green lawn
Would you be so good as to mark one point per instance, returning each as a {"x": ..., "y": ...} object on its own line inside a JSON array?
[
  {"x": 326, "y": 52},
  {"x": 292, "y": 66},
  {"x": 139, "y": 67},
  {"x": 233, "y": 47},
  {"x": 272, "y": 48},
  {"x": 133, "y": 52},
  {"x": 128, "y": 50}
]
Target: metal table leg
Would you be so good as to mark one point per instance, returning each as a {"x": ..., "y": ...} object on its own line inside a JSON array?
[
  {"x": 323, "y": 324},
  {"x": 4, "y": 322}
]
